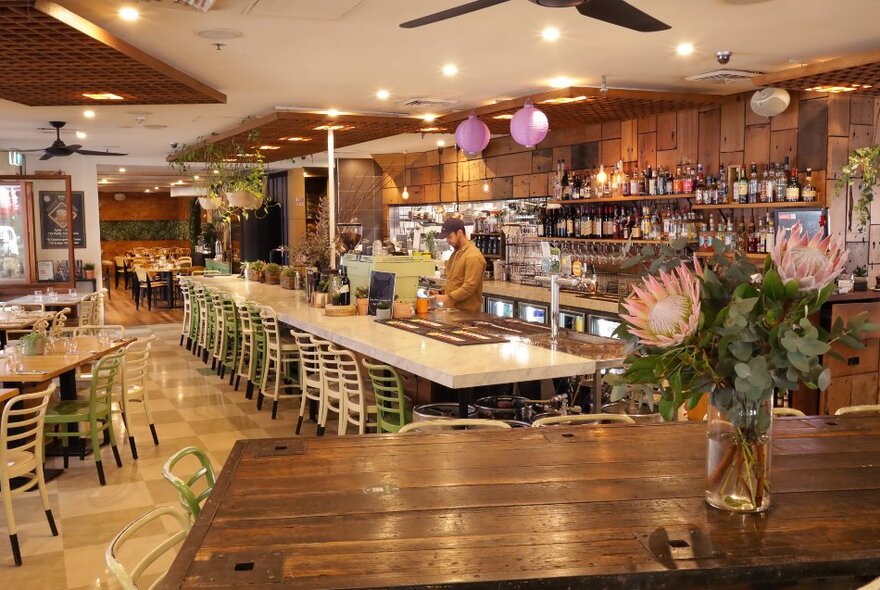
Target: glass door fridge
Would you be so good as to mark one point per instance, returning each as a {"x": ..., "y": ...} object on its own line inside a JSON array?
[
  {"x": 534, "y": 313},
  {"x": 500, "y": 307},
  {"x": 572, "y": 320},
  {"x": 600, "y": 325}
]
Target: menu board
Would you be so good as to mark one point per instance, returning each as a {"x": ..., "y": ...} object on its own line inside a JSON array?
[
  {"x": 53, "y": 219},
  {"x": 381, "y": 289}
]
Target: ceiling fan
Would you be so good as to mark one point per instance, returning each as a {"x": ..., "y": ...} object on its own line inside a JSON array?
[
  {"x": 61, "y": 149},
  {"x": 616, "y": 12}
]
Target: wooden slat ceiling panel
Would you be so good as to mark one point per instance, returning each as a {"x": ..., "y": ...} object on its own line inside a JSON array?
[
  {"x": 50, "y": 62},
  {"x": 860, "y": 72}
]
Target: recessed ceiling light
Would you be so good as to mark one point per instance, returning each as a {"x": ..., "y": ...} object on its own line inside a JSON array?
[
  {"x": 216, "y": 171},
  {"x": 550, "y": 34},
  {"x": 81, "y": 135},
  {"x": 503, "y": 117},
  {"x": 90, "y": 114},
  {"x": 441, "y": 143},
  {"x": 196, "y": 177},
  {"x": 332, "y": 113},
  {"x": 450, "y": 70},
  {"x": 429, "y": 117},
  {"x": 104, "y": 181},
  {"x": 429, "y": 129},
  {"x": 146, "y": 190},
  {"x": 269, "y": 147},
  {"x": 102, "y": 96},
  {"x": 561, "y": 82},
  {"x": 383, "y": 95},
  {"x": 684, "y": 48},
  {"x": 129, "y": 13},
  {"x": 155, "y": 188},
  {"x": 122, "y": 170},
  {"x": 297, "y": 138},
  {"x": 219, "y": 34}
]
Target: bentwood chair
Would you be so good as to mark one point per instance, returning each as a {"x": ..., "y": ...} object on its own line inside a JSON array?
[
  {"x": 788, "y": 412},
  {"x": 186, "y": 321},
  {"x": 120, "y": 268},
  {"x": 393, "y": 408},
  {"x": 243, "y": 309},
  {"x": 343, "y": 374},
  {"x": 594, "y": 419},
  {"x": 282, "y": 353},
  {"x": 459, "y": 424},
  {"x": 95, "y": 411},
  {"x": 863, "y": 410},
  {"x": 21, "y": 466},
  {"x": 257, "y": 357},
  {"x": 226, "y": 350},
  {"x": 190, "y": 499},
  {"x": 133, "y": 387},
  {"x": 128, "y": 577},
  {"x": 311, "y": 377}
]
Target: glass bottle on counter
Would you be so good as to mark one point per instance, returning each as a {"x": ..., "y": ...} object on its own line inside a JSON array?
[
  {"x": 344, "y": 288},
  {"x": 793, "y": 190},
  {"x": 808, "y": 192}
]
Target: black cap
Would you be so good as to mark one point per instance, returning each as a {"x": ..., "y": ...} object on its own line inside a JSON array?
[{"x": 450, "y": 226}]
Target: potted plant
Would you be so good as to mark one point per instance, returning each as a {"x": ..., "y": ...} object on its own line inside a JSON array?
[
  {"x": 272, "y": 273},
  {"x": 865, "y": 163},
  {"x": 244, "y": 188},
  {"x": 287, "y": 280},
  {"x": 255, "y": 270},
  {"x": 32, "y": 344},
  {"x": 361, "y": 300},
  {"x": 401, "y": 309},
  {"x": 383, "y": 309},
  {"x": 319, "y": 296},
  {"x": 89, "y": 270},
  {"x": 860, "y": 278},
  {"x": 718, "y": 330}
]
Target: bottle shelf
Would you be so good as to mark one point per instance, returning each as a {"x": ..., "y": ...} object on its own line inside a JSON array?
[
  {"x": 749, "y": 255},
  {"x": 777, "y": 205},
  {"x": 620, "y": 199},
  {"x": 608, "y": 241}
]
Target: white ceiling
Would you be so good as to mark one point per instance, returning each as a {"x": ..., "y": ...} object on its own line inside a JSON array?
[{"x": 337, "y": 53}]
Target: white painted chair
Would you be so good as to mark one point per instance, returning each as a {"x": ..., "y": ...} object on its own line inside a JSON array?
[
  {"x": 133, "y": 387},
  {"x": 345, "y": 391},
  {"x": 281, "y": 354},
  {"x": 459, "y": 424},
  {"x": 25, "y": 460},
  {"x": 91, "y": 308},
  {"x": 186, "y": 322},
  {"x": 583, "y": 419},
  {"x": 311, "y": 378},
  {"x": 782, "y": 412},
  {"x": 128, "y": 578},
  {"x": 863, "y": 410},
  {"x": 245, "y": 327}
]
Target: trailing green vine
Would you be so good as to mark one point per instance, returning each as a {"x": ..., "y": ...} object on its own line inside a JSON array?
[{"x": 865, "y": 162}]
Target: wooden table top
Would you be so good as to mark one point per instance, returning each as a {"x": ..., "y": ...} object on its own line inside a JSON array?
[
  {"x": 62, "y": 299},
  {"x": 53, "y": 364},
  {"x": 7, "y": 394},
  {"x": 563, "y": 507},
  {"x": 17, "y": 321}
]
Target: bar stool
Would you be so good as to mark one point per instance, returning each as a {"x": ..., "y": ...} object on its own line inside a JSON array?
[
  {"x": 201, "y": 294},
  {"x": 227, "y": 336},
  {"x": 187, "y": 311},
  {"x": 343, "y": 378},
  {"x": 209, "y": 325},
  {"x": 216, "y": 315},
  {"x": 245, "y": 329},
  {"x": 257, "y": 359},
  {"x": 311, "y": 378},
  {"x": 334, "y": 392},
  {"x": 281, "y": 353}
]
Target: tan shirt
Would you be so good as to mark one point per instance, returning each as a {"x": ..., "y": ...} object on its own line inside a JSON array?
[{"x": 464, "y": 278}]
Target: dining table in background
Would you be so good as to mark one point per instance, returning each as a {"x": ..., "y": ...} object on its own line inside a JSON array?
[
  {"x": 19, "y": 320},
  {"x": 615, "y": 507}
]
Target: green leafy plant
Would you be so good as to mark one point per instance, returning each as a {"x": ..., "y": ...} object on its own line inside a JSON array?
[
  {"x": 864, "y": 162},
  {"x": 34, "y": 343},
  {"x": 430, "y": 240},
  {"x": 288, "y": 271},
  {"x": 361, "y": 293},
  {"x": 272, "y": 269},
  {"x": 383, "y": 304},
  {"x": 257, "y": 266},
  {"x": 861, "y": 271},
  {"x": 89, "y": 266},
  {"x": 314, "y": 248}
]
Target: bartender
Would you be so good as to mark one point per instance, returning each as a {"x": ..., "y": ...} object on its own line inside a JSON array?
[{"x": 464, "y": 269}]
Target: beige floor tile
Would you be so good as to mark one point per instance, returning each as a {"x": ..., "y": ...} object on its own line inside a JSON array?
[
  {"x": 91, "y": 529},
  {"x": 101, "y": 498},
  {"x": 220, "y": 425},
  {"x": 38, "y": 572}
]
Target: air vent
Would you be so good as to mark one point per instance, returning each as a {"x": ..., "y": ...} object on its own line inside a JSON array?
[
  {"x": 422, "y": 102},
  {"x": 724, "y": 76}
]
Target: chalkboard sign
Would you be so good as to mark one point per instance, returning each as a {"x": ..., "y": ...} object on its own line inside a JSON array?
[
  {"x": 53, "y": 220},
  {"x": 810, "y": 219},
  {"x": 381, "y": 289}
]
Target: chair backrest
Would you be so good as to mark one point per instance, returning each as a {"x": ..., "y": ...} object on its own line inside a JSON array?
[
  {"x": 583, "y": 419},
  {"x": 197, "y": 272},
  {"x": 190, "y": 499},
  {"x": 136, "y": 356},
  {"x": 244, "y": 313},
  {"x": 459, "y": 424},
  {"x": 342, "y": 376},
  {"x": 26, "y": 412},
  {"x": 865, "y": 409},
  {"x": 788, "y": 412},
  {"x": 309, "y": 359},
  {"x": 141, "y": 275},
  {"x": 90, "y": 307},
  {"x": 104, "y": 376},
  {"x": 114, "y": 331},
  {"x": 270, "y": 325},
  {"x": 184, "y": 260},
  {"x": 390, "y": 401},
  {"x": 119, "y": 261},
  {"x": 126, "y": 577},
  {"x": 58, "y": 322},
  {"x": 210, "y": 273}
]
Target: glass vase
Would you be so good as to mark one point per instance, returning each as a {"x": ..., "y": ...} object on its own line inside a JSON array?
[{"x": 738, "y": 458}]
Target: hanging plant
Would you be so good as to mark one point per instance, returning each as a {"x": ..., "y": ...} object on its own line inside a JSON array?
[{"x": 864, "y": 162}]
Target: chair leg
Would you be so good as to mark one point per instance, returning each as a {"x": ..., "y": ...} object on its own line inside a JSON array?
[
  {"x": 96, "y": 449},
  {"x": 237, "y": 382},
  {"x": 155, "y": 436},
  {"x": 51, "y": 520},
  {"x": 274, "y": 409},
  {"x": 299, "y": 423},
  {"x": 6, "y": 492},
  {"x": 16, "y": 551},
  {"x": 249, "y": 392},
  {"x": 44, "y": 496},
  {"x": 259, "y": 400},
  {"x": 131, "y": 442}
]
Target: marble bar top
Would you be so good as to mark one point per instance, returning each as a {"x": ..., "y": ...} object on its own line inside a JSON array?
[
  {"x": 508, "y": 290},
  {"x": 453, "y": 366}
]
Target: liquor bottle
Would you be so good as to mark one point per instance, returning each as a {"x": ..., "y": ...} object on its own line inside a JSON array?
[
  {"x": 541, "y": 222},
  {"x": 677, "y": 181},
  {"x": 793, "y": 190},
  {"x": 652, "y": 182},
  {"x": 752, "y": 238},
  {"x": 643, "y": 183},
  {"x": 344, "y": 288},
  {"x": 687, "y": 183},
  {"x": 768, "y": 185},
  {"x": 781, "y": 184},
  {"x": 753, "y": 184},
  {"x": 569, "y": 223},
  {"x": 808, "y": 192},
  {"x": 723, "y": 187},
  {"x": 771, "y": 236},
  {"x": 625, "y": 186},
  {"x": 742, "y": 185},
  {"x": 636, "y": 232},
  {"x": 634, "y": 181},
  {"x": 566, "y": 189}
]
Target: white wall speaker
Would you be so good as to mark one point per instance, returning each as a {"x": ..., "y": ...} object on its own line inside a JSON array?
[{"x": 770, "y": 102}]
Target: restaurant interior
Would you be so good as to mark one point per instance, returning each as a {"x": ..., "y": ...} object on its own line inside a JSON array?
[{"x": 487, "y": 294}]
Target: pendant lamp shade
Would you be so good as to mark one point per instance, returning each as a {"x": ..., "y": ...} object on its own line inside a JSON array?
[
  {"x": 472, "y": 135},
  {"x": 529, "y": 126}
]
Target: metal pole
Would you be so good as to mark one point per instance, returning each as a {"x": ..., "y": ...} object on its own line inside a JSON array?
[{"x": 331, "y": 195}]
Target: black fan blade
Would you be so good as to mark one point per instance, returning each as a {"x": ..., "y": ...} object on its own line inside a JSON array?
[
  {"x": 622, "y": 14},
  {"x": 46, "y": 156},
  {"x": 450, "y": 13},
  {"x": 94, "y": 153}
]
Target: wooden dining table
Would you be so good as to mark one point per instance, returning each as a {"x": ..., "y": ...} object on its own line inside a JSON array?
[
  {"x": 20, "y": 320},
  {"x": 617, "y": 506}
]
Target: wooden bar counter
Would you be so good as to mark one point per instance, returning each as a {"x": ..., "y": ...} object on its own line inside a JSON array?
[{"x": 565, "y": 507}]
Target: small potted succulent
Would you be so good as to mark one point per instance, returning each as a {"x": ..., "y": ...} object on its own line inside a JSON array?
[
  {"x": 287, "y": 279},
  {"x": 89, "y": 270},
  {"x": 362, "y": 301},
  {"x": 32, "y": 344},
  {"x": 255, "y": 270},
  {"x": 860, "y": 278},
  {"x": 383, "y": 309},
  {"x": 319, "y": 295},
  {"x": 272, "y": 273}
]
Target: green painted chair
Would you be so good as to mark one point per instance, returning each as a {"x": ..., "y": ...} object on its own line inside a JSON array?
[
  {"x": 258, "y": 349},
  {"x": 393, "y": 409},
  {"x": 226, "y": 349},
  {"x": 96, "y": 411},
  {"x": 190, "y": 499}
]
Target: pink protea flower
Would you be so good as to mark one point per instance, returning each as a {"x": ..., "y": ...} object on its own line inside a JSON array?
[
  {"x": 813, "y": 263},
  {"x": 664, "y": 312}
]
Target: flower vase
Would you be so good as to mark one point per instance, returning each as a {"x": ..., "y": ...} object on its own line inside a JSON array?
[{"x": 738, "y": 457}]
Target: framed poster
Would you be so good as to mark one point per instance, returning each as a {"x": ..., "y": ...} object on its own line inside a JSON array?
[
  {"x": 45, "y": 270},
  {"x": 53, "y": 220}
]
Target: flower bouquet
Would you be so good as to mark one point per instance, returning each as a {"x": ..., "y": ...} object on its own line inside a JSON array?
[{"x": 725, "y": 330}]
